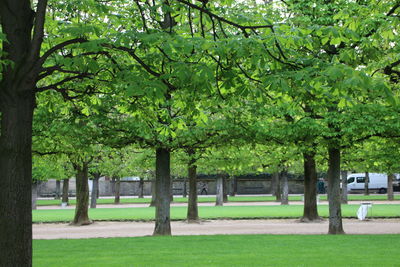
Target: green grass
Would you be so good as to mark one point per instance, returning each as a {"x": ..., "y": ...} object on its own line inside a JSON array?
[
  {"x": 234, "y": 212},
  {"x": 49, "y": 202},
  {"x": 221, "y": 250}
]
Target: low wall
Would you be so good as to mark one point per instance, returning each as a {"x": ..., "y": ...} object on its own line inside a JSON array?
[{"x": 131, "y": 188}]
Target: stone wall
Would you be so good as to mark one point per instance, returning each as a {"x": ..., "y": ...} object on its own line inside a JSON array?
[{"x": 131, "y": 188}]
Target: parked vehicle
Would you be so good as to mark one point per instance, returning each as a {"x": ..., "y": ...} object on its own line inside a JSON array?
[{"x": 377, "y": 181}]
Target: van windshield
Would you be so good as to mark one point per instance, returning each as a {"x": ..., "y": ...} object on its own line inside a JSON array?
[{"x": 350, "y": 180}]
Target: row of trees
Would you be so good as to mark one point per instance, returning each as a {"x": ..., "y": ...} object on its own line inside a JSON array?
[{"x": 291, "y": 79}]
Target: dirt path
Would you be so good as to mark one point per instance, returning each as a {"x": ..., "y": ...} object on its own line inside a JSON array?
[{"x": 212, "y": 227}]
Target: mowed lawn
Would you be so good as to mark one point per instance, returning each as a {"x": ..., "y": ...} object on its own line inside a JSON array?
[
  {"x": 221, "y": 250},
  {"x": 210, "y": 212},
  {"x": 202, "y": 199}
]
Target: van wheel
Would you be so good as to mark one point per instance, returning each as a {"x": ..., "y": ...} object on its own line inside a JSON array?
[{"x": 382, "y": 190}]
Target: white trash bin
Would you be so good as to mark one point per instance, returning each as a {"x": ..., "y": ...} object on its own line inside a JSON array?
[{"x": 362, "y": 211}]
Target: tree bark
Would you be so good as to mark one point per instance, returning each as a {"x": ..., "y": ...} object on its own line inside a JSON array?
[
  {"x": 344, "y": 198},
  {"x": 276, "y": 187},
  {"x": 16, "y": 176},
  {"x": 17, "y": 102},
  {"x": 82, "y": 195},
  {"x": 95, "y": 187},
  {"x": 220, "y": 191},
  {"x": 192, "y": 212},
  {"x": 390, "y": 178},
  {"x": 184, "y": 190},
  {"x": 163, "y": 192},
  {"x": 65, "y": 191},
  {"x": 285, "y": 188},
  {"x": 117, "y": 190},
  {"x": 310, "y": 212},
  {"x": 58, "y": 189},
  {"x": 335, "y": 211},
  {"x": 171, "y": 190},
  {"x": 366, "y": 184},
  {"x": 153, "y": 193},
  {"x": 233, "y": 186},
  {"x": 141, "y": 188},
  {"x": 225, "y": 188},
  {"x": 34, "y": 195}
]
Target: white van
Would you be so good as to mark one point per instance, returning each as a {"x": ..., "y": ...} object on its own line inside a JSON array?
[{"x": 377, "y": 181}]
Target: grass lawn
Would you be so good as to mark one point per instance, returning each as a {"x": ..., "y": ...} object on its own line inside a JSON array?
[
  {"x": 179, "y": 213},
  {"x": 221, "y": 250},
  {"x": 46, "y": 202}
]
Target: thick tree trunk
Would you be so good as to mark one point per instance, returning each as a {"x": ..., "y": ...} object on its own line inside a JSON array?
[
  {"x": 366, "y": 184},
  {"x": 285, "y": 188},
  {"x": 390, "y": 178},
  {"x": 192, "y": 212},
  {"x": 163, "y": 192},
  {"x": 141, "y": 188},
  {"x": 17, "y": 102},
  {"x": 117, "y": 190},
  {"x": 95, "y": 188},
  {"x": 233, "y": 186},
  {"x": 34, "y": 194},
  {"x": 276, "y": 187},
  {"x": 82, "y": 195},
  {"x": 310, "y": 212},
  {"x": 344, "y": 198},
  {"x": 16, "y": 177},
  {"x": 225, "y": 188},
  {"x": 58, "y": 189},
  {"x": 335, "y": 211},
  {"x": 65, "y": 192},
  {"x": 220, "y": 191}
]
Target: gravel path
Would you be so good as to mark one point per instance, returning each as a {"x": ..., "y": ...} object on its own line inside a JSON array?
[{"x": 212, "y": 227}]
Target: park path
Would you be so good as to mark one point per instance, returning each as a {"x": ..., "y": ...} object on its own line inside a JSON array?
[{"x": 212, "y": 227}]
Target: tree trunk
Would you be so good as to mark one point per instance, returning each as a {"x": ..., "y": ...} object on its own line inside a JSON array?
[
  {"x": 192, "y": 212},
  {"x": 225, "y": 188},
  {"x": 390, "y": 178},
  {"x": 171, "y": 190},
  {"x": 93, "y": 199},
  {"x": 153, "y": 193},
  {"x": 65, "y": 192},
  {"x": 141, "y": 188},
  {"x": 220, "y": 191},
  {"x": 276, "y": 187},
  {"x": 184, "y": 190},
  {"x": 117, "y": 190},
  {"x": 335, "y": 211},
  {"x": 285, "y": 188},
  {"x": 233, "y": 186},
  {"x": 310, "y": 212},
  {"x": 16, "y": 175},
  {"x": 366, "y": 184},
  {"x": 17, "y": 102},
  {"x": 163, "y": 192},
  {"x": 34, "y": 195},
  {"x": 58, "y": 189},
  {"x": 82, "y": 195},
  {"x": 344, "y": 198}
]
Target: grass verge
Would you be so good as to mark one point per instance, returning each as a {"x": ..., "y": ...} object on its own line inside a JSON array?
[
  {"x": 49, "y": 202},
  {"x": 232, "y": 212},
  {"x": 221, "y": 250}
]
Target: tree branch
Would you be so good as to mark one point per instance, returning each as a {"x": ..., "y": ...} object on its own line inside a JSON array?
[{"x": 38, "y": 31}]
